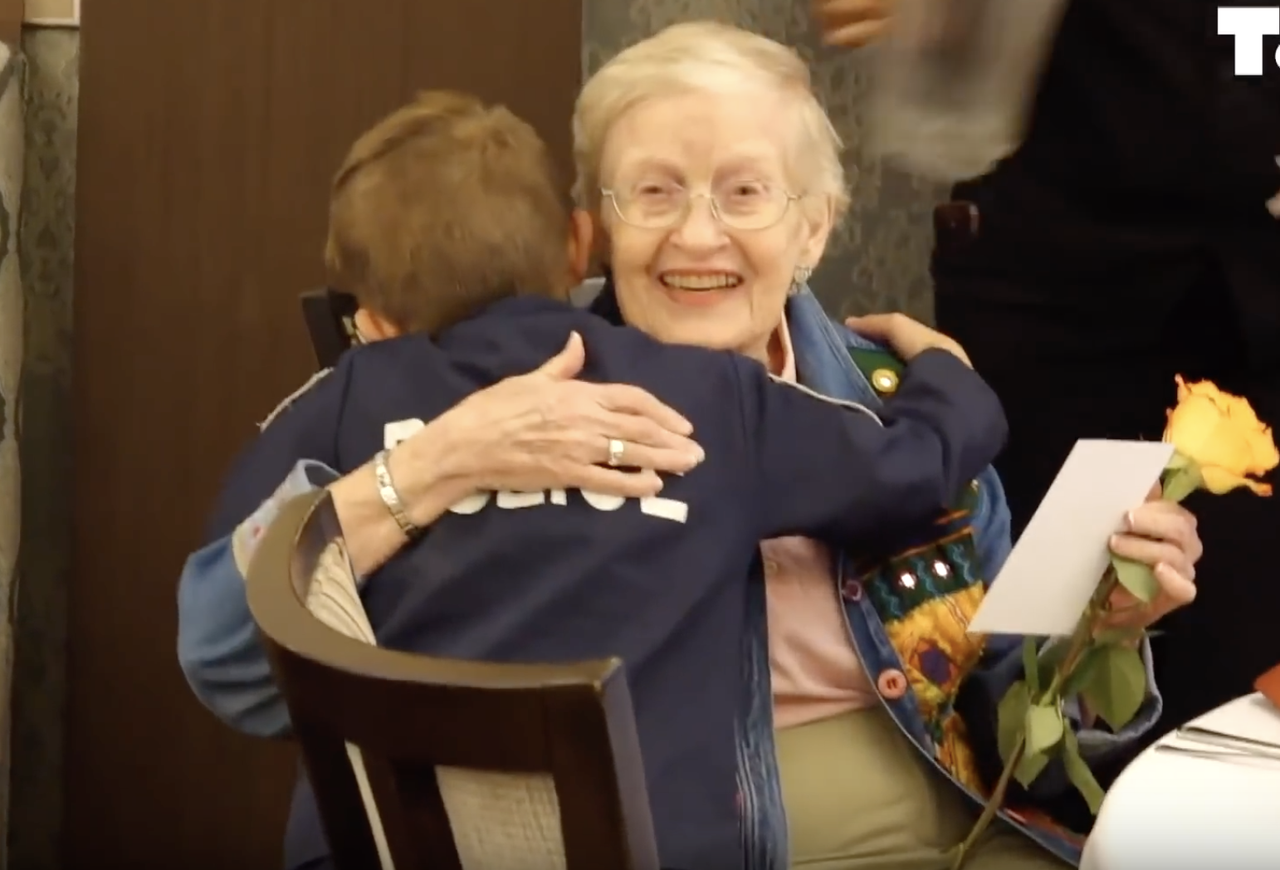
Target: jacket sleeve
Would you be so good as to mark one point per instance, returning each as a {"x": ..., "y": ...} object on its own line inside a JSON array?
[
  {"x": 218, "y": 646},
  {"x": 303, "y": 426},
  {"x": 218, "y": 649},
  {"x": 841, "y": 472}
]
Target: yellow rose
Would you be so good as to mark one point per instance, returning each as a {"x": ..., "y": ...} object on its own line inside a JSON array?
[{"x": 1223, "y": 436}]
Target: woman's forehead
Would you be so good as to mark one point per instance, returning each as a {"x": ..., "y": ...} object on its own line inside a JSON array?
[{"x": 747, "y": 128}]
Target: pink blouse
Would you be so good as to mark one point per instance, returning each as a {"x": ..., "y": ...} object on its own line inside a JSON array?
[{"x": 816, "y": 673}]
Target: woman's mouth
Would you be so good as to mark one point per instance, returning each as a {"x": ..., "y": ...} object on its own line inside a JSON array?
[{"x": 699, "y": 282}]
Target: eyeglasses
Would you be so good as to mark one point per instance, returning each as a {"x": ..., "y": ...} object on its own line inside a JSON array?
[{"x": 740, "y": 206}]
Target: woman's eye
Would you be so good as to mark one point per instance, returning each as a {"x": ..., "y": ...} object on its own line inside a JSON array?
[
  {"x": 649, "y": 190},
  {"x": 748, "y": 190}
]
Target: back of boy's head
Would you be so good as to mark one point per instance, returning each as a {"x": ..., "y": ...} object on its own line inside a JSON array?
[{"x": 445, "y": 206}]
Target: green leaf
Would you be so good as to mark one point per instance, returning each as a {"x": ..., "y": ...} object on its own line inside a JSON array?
[
  {"x": 1082, "y": 674},
  {"x": 1180, "y": 483},
  {"x": 1115, "y": 692},
  {"x": 1080, "y": 774},
  {"x": 1177, "y": 462},
  {"x": 1030, "y": 767},
  {"x": 1137, "y": 578},
  {"x": 1052, "y": 655},
  {"x": 1011, "y": 718},
  {"x": 1044, "y": 729},
  {"x": 1031, "y": 664}
]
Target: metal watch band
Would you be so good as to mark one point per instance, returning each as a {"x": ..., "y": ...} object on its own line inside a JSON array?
[{"x": 391, "y": 498}]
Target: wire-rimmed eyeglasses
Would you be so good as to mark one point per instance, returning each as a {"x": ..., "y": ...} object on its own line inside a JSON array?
[{"x": 740, "y": 206}]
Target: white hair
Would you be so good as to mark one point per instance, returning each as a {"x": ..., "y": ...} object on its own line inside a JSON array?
[{"x": 705, "y": 56}]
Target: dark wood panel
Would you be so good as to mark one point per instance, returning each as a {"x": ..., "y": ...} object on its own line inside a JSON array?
[
  {"x": 209, "y": 130},
  {"x": 11, "y": 14}
]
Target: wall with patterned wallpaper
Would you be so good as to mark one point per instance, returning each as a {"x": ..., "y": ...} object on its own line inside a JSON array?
[
  {"x": 879, "y": 260},
  {"x": 11, "y": 303},
  {"x": 45, "y": 241}
]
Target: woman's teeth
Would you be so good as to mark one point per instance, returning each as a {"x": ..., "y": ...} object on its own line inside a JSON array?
[{"x": 701, "y": 282}]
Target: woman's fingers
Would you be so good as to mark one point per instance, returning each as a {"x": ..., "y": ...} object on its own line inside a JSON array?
[
  {"x": 633, "y": 400},
  {"x": 1153, "y": 553},
  {"x": 1127, "y": 611},
  {"x": 654, "y": 458},
  {"x": 1163, "y": 535},
  {"x": 852, "y": 23},
  {"x": 1178, "y": 588},
  {"x": 611, "y": 481},
  {"x": 854, "y": 35},
  {"x": 641, "y": 432},
  {"x": 840, "y": 13},
  {"x": 1168, "y": 521},
  {"x": 547, "y": 430}
]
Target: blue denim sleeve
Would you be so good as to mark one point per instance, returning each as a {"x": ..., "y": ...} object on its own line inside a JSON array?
[
  {"x": 1002, "y": 664},
  {"x": 218, "y": 647}
]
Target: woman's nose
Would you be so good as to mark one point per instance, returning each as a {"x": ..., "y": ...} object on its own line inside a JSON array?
[{"x": 700, "y": 227}]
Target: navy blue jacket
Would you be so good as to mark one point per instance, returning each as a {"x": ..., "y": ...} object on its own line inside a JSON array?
[{"x": 659, "y": 582}]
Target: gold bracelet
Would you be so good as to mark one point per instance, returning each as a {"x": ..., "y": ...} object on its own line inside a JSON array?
[{"x": 390, "y": 497}]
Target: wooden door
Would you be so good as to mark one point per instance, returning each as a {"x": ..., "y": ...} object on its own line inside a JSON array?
[{"x": 209, "y": 130}]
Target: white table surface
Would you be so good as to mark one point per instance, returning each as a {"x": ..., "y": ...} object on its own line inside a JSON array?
[{"x": 1171, "y": 811}]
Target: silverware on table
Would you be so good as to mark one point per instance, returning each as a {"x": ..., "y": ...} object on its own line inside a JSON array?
[
  {"x": 1206, "y": 743},
  {"x": 1234, "y": 742}
]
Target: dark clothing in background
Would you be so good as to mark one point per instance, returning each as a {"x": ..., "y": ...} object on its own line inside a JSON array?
[{"x": 1129, "y": 240}]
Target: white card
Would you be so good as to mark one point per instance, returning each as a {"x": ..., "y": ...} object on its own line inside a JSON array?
[{"x": 1055, "y": 566}]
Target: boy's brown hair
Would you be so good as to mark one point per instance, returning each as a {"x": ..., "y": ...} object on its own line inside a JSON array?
[{"x": 445, "y": 206}]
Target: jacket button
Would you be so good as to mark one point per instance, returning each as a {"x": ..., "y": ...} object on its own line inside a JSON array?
[
  {"x": 892, "y": 684},
  {"x": 885, "y": 381},
  {"x": 852, "y": 590}
]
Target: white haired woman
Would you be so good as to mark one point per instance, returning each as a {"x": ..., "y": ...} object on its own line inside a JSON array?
[{"x": 712, "y": 177}]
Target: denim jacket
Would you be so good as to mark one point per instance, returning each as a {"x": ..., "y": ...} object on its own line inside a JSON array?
[{"x": 907, "y": 611}]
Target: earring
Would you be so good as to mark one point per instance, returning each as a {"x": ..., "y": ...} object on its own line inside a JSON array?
[{"x": 800, "y": 278}]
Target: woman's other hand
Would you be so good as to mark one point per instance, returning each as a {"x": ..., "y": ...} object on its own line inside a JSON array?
[
  {"x": 1161, "y": 534},
  {"x": 907, "y": 337},
  {"x": 546, "y": 430},
  {"x": 852, "y": 23}
]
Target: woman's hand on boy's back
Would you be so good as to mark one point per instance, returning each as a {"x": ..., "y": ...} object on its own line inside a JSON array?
[{"x": 547, "y": 430}]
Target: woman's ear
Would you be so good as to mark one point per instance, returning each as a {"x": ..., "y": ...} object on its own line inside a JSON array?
[
  {"x": 581, "y": 235},
  {"x": 373, "y": 326},
  {"x": 818, "y": 220},
  {"x": 599, "y": 243}
]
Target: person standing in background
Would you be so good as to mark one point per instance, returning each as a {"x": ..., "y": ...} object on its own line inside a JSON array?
[{"x": 1134, "y": 236}]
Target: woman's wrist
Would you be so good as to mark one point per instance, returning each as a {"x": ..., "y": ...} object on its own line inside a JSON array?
[
  {"x": 428, "y": 470},
  {"x": 427, "y": 478}
]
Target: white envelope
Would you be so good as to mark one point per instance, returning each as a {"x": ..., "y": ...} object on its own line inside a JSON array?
[{"x": 1055, "y": 566}]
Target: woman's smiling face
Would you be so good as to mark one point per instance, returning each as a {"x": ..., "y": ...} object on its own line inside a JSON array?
[{"x": 697, "y": 279}]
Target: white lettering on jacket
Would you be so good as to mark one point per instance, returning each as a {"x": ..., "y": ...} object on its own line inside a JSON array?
[{"x": 652, "y": 506}]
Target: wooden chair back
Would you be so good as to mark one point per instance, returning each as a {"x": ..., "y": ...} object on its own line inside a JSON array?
[{"x": 430, "y": 764}]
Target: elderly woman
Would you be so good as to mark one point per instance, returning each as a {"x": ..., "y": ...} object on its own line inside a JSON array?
[{"x": 867, "y": 731}]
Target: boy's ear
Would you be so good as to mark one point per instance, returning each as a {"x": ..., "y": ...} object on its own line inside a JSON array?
[
  {"x": 373, "y": 326},
  {"x": 581, "y": 233}
]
